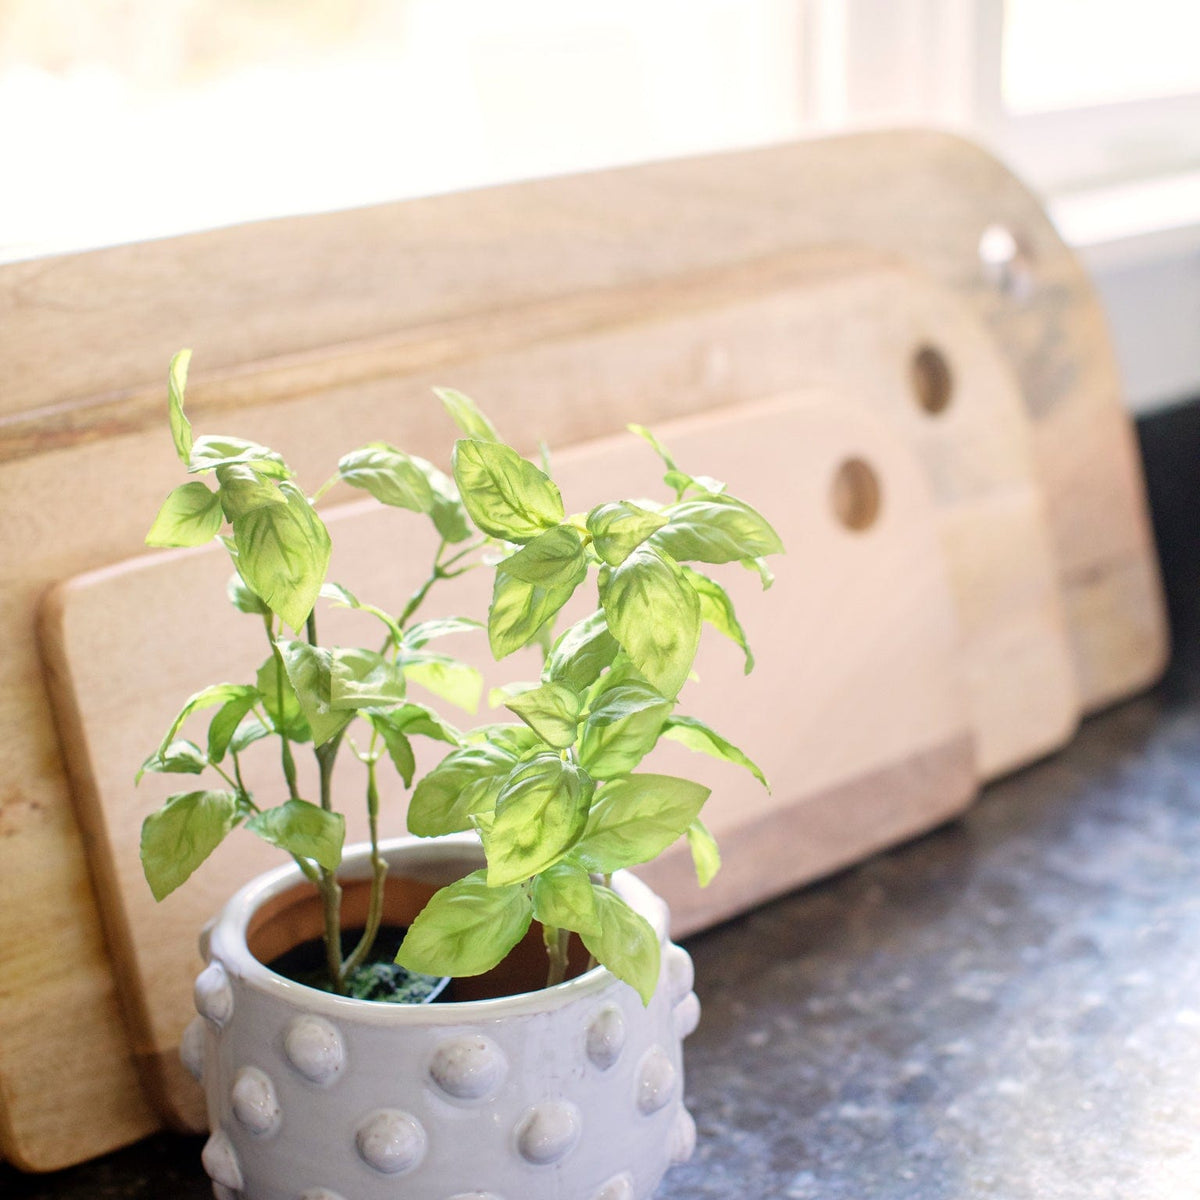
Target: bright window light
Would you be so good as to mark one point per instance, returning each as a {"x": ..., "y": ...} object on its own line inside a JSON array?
[
  {"x": 145, "y": 118},
  {"x": 1061, "y": 54}
]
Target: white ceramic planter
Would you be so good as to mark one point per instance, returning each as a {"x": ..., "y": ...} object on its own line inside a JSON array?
[{"x": 567, "y": 1093}]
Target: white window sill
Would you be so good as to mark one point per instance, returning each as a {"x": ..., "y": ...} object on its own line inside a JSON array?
[{"x": 1141, "y": 243}]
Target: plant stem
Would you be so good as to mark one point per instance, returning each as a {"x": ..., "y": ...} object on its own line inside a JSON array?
[
  {"x": 557, "y": 941},
  {"x": 464, "y": 552},
  {"x": 378, "y": 875},
  {"x": 418, "y": 597},
  {"x": 327, "y": 883},
  {"x": 331, "y": 903},
  {"x": 331, "y": 891},
  {"x": 285, "y": 743},
  {"x": 333, "y": 479}
]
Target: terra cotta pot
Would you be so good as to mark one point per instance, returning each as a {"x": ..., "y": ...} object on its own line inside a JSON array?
[{"x": 565, "y": 1093}]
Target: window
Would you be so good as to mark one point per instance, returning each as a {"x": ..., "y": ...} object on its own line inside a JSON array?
[{"x": 122, "y": 121}]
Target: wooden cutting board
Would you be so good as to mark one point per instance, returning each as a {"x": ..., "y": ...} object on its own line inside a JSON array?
[
  {"x": 844, "y": 318},
  {"x": 329, "y": 326},
  {"x": 84, "y": 337},
  {"x": 855, "y": 710}
]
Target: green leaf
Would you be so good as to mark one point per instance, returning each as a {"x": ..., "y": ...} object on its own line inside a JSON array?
[
  {"x": 242, "y": 490},
  {"x": 247, "y": 733},
  {"x": 618, "y": 528},
  {"x": 581, "y": 653},
  {"x": 551, "y": 711},
  {"x": 283, "y": 553},
  {"x": 540, "y": 812},
  {"x": 464, "y": 783},
  {"x": 626, "y": 944},
  {"x": 399, "y": 748},
  {"x": 505, "y": 495},
  {"x": 190, "y": 516},
  {"x": 764, "y": 572},
  {"x": 210, "y": 452},
  {"x": 658, "y": 447},
  {"x": 344, "y": 598},
  {"x": 502, "y": 695},
  {"x": 705, "y": 854},
  {"x": 716, "y": 529},
  {"x": 309, "y": 669},
  {"x": 181, "y": 427},
  {"x": 410, "y": 718},
  {"x": 280, "y": 701},
  {"x": 226, "y": 721},
  {"x": 515, "y": 740},
  {"x": 389, "y": 475},
  {"x": 217, "y": 693},
  {"x": 465, "y": 413},
  {"x": 454, "y": 681},
  {"x": 425, "y": 631},
  {"x": 179, "y": 758},
  {"x": 531, "y": 586},
  {"x": 304, "y": 830},
  {"x": 695, "y": 735},
  {"x": 242, "y": 598},
  {"x": 182, "y": 834},
  {"x": 563, "y": 898},
  {"x": 621, "y": 729},
  {"x": 363, "y": 679},
  {"x": 717, "y": 609},
  {"x": 635, "y": 819},
  {"x": 449, "y": 516},
  {"x": 466, "y": 928},
  {"x": 654, "y": 614}
]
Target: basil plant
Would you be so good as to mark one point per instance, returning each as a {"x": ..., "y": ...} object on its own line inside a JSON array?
[{"x": 556, "y": 796}]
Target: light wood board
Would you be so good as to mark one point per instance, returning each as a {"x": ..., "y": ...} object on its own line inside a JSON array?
[
  {"x": 84, "y": 336},
  {"x": 305, "y": 327},
  {"x": 838, "y": 316},
  {"x": 856, "y": 691}
]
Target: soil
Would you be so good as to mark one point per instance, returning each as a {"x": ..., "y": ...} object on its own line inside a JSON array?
[{"x": 378, "y": 979}]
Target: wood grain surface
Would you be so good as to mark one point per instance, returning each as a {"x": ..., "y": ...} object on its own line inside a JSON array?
[
  {"x": 858, "y": 677},
  {"x": 317, "y": 332},
  {"x": 84, "y": 336}
]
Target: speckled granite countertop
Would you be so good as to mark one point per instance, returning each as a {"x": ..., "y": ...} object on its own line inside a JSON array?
[{"x": 1007, "y": 1008}]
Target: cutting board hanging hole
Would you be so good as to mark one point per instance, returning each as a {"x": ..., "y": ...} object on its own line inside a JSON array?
[
  {"x": 932, "y": 380},
  {"x": 856, "y": 495}
]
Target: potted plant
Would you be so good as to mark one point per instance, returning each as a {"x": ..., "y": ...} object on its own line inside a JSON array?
[{"x": 517, "y": 1080}]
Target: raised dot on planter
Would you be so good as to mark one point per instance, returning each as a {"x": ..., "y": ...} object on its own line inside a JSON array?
[
  {"x": 213, "y": 995},
  {"x": 315, "y": 1048},
  {"x": 686, "y": 1015},
  {"x": 549, "y": 1132},
  {"x": 681, "y": 975},
  {"x": 606, "y": 1037},
  {"x": 620, "y": 1187},
  {"x": 656, "y": 1081},
  {"x": 391, "y": 1141},
  {"x": 468, "y": 1068},
  {"x": 220, "y": 1161},
  {"x": 254, "y": 1102},
  {"x": 683, "y": 1137}
]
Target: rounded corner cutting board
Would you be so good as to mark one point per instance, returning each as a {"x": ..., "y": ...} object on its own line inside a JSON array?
[
  {"x": 855, "y": 709},
  {"x": 320, "y": 332}
]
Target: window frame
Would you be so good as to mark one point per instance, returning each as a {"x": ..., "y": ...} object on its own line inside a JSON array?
[{"x": 940, "y": 62}]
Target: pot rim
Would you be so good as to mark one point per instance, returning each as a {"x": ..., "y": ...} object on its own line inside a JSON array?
[{"x": 227, "y": 943}]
